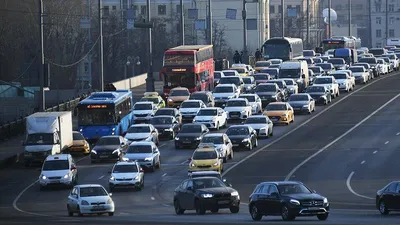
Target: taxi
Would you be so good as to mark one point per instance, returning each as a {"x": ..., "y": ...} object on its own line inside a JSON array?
[
  {"x": 155, "y": 98},
  {"x": 177, "y": 96},
  {"x": 79, "y": 144},
  {"x": 241, "y": 70},
  {"x": 206, "y": 158},
  {"x": 279, "y": 113},
  {"x": 260, "y": 65}
]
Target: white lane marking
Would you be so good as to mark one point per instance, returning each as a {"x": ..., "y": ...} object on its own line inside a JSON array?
[
  {"x": 362, "y": 162},
  {"x": 374, "y": 152},
  {"x": 101, "y": 177},
  {"x": 340, "y": 137},
  {"x": 166, "y": 205},
  {"x": 123, "y": 213},
  {"x": 387, "y": 142},
  {"x": 243, "y": 203},
  {"x": 351, "y": 189},
  {"x": 298, "y": 127},
  {"x": 398, "y": 134},
  {"x": 184, "y": 162},
  {"x": 165, "y": 174},
  {"x": 15, "y": 206},
  {"x": 152, "y": 198}
]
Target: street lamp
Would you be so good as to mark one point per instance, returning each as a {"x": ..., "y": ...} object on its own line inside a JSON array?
[{"x": 135, "y": 61}]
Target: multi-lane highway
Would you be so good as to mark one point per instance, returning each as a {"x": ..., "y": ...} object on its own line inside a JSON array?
[{"x": 346, "y": 151}]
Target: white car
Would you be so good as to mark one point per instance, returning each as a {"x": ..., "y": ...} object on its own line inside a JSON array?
[
  {"x": 213, "y": 117},
  {"x": 344, "y": 81},
  {"x": 292, "y": 86},
  {"x": 352, "y": 78},
  {"x": 223, "y": 92},
  {"x": 249, "y": 68},
  {"x": 90, "y": 199},
  {"x": 360, "y": 74},
  {"x": 143, "y": 111},
  {"x": 222, "y": 144},
  {"x": 146, "y": 153},
  {"x": 58, "y": 170},
  {"x": 275, "y": 61},
  {"x": 255, "y": 102},
  {"x": 382, "y": 66},
  {"x": 238, "y": 109},
  {"x": 142, "y": 132},
  {"x": 262, "y": 125},
  {"x": 126, "y": 174},
  {"x": 330, "y": 83},
  {"x": 190, "y": 108},
  {"x": 393, "y": 60}
]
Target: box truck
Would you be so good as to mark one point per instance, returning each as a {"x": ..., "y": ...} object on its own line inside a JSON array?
[{"x": 47, "y": 133}]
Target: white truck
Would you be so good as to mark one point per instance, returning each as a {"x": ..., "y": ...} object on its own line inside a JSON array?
[{"x": 47, "y": 133}]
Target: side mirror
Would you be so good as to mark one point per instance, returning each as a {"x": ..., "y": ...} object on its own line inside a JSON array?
[
  {"x": 109, "y": 172},
  {"x": 274, "y": 195},
  {"x": 110, "y": 194},
  {"x": 175, "y": 122},
  {"x": 303, "y": 76},
  {"x": 189, "y": 188},
  {"x": 141, "y": 170},
  {"x": 189, "y": 159},
  {"x": 73, "y": 168}
]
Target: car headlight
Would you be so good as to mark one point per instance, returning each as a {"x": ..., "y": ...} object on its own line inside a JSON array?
[
  {"x": 231, "y": 96},
  {"x": 243, "y": 111},
  {"x": 83, "y": 202},
  {"x": 192, "y": 165},
  {"x": 285, "y": 115},
  {"x": 112, "y": 178},
  {"x": 170, "y": 100},
  {"x": 136, "y": 178},
  {"x": 113, "y": 129},
  {"x": 273, "y": 96},
  {"x": 326, "y": 203},
  {"x": 169, "y": 129},
  {"x": 43, "y": 177},
  {"x": 176, "y": 138},
  {"x": 148, "y": 159},
  {"x": 80, "y": 130},
  {"x": 294, "y": 202},
  {"x": 235, "y": 193},
  {"x": 305, "y": 106},
  {"x": 115, "y": 151},
  {"x": 198, "y": 138},
  {"x": 109, "y": 201},
  {"x": 216, "y": 163},
  {"x": 194, "y": 120},
  {"x": 66, "y": 176},
  {"x": 246, "y": 140},
  {"x": 93, "y": 151},
  {"x": 125, "y": 159},
  {"x": 207, "y": 195}
]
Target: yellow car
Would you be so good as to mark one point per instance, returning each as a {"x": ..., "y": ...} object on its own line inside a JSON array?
[
  {"x": 206, "y": 158},
  {"x": 241, "y": 70},
  {"x": 177, "y": 96},
  {"x": 260, "y": 65},
  {"x": 80, "y": 145},
  {"x": 155, "y": 98},
  {"x": 279, "y": 112}
]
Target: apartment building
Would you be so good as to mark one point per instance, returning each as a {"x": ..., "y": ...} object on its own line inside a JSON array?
[{"x": 384, "y": 23}]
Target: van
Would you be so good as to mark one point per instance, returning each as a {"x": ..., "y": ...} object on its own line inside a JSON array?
[{"x": 297, "y": 70}]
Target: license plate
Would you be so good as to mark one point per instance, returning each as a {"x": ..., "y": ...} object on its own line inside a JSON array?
[
  {"x": 187, "y": 142},
  {"x": 55, "y": 181},
  {"x": 313, "y": 208},
  {"x": 223, "y": 202},
  {"x": 187, "y": 116},
  {"x": 124, "y": 183},
  {"x": 103, "y": 156},
  {"x": 235, "y": 145},
  {"x": 235, "y": 116}
]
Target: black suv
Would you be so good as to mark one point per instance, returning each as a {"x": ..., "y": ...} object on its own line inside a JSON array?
[{"x": 288, "y": 199}]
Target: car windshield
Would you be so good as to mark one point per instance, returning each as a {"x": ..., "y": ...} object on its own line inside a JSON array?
[
  {"x": 308, "y": 53},
  {"x": 315, "y": 69},
  {"x": 255, "y": 120},
  {"x": 325, "y": 66},
  {"x": 315, "y": 89},
  {"x": 275, "y": 66},
  {"x": 229, "y": 73},
  {"x": 165, "y": 112},
  {"x": 230, "y": 80},
  {"x": 240, "y": 70},
  {"x": 247, "y": 80},
  {"x": 272, "y": 72},
  {"x": 235, "y": 103},
  {"x": 289, "y": 73},
  {"x": 381, "y": 61},
  {"x": 200, "y": 155},
  {"x": 340, "y": 76},
  {"x": 368, "y": 60},
  {"x": 237, "y": 131},
  {"x": 190, "y": 105},
  {"x": 217, "y": 75},
  {"x": 189, "y": 128},
  {"x": 220, "y": 89},
  {"x": 318, "y": 60},
  {"x": 142, "y": 107},
  {"x": 55, "y": 165},
  {"x": 108, "y": 141},
  {"x": 263, "y": 64},
  {"x": 125, "y": 169},
  {"x": 390, "y": 56},
  {"x": 154, "y": 100},
  {"x": 161, "y": 120},
  {"x": 218, "y": 140},
  {"x": 279, "y": 83},
  {"x": 336, "y": 61},
  {"x": 266, "y": 88},
  {"x": 92, "y": 191},
  {"x": 77, "y": 137},
  {"x": 261, "y": 77},
  {"x": 289, "y": 82},
  {"x": 179, "y": 93},
  {"x": 357, "y": 69},
  {"x": 323, "y": 80},
  {"x": 200, "y": 183},
  {"x": 377, "y": 51},
  {"x": 309, "y": 60},
  {"x": 286, "y": 189},
  {"x": 207, "y": 112},
  {"x": 386, "y": 59},
  {"x": 250, "y": 98},
  {"x": 139, "y": 129},
  {"x": 295, "y": 97},
  {"x": 197, "y": 96},
  {"x": 140, "y": 149},
  {"x": 276, "y": 107}
]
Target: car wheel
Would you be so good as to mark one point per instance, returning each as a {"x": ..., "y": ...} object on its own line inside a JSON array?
[
  {"x": 69, "y": 211},
  {"x": 159, "y": 164},
  {"x": 79, "y": 212},
  {"x": 255, "y": 215},
  {"x": 256, "y": 143},
  {"x": 178, "y": 209},
  {"x": 231, "y": 154},
  {"x": 323, "y": 216},
  {"x": 309, "y": 111},
  {"x": 286, "y": 214},
  {"x": 250, "y": 146},
  {"x": 153, "y": 167},
  {"x": 173, "y": 135},
  {"x": 177, "y": 147},
  {"x": 214, "y": 210},
  {"x": 217, "y": 126},
  {"x": 382, "y": 208},
  {"x": 200, "y": 210},
  {"x": 111, "y": 214},
  {"x": 234, "y": 209}
]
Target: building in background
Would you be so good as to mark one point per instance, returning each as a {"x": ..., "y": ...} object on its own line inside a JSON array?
[{"x": 384, "y": 24}]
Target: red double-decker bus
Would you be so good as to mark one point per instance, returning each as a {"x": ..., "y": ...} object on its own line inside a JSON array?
[{"x": 190, "y": 66}]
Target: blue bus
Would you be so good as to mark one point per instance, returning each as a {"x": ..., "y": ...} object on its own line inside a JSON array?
[
  {"x": 283, "y": 48},
  {"x": 105, "y": 113}
]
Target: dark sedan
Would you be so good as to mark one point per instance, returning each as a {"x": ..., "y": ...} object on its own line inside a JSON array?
[
  {"x": 167, "y": 126},
  {"x": 190, "y": 135},
  {"x": 320, "y": 94},
  {"x": 242, "y": 136},
  {"x": 288, "y": 199},
  {"x": 205, "y": 193},
  {"x": 387, "y": 199},
  {"x": 261, "y": 78},
  {"x": 283, "y": 88},
  {"x": 302, "y": 103},
  {"x": 268, "y": 93},
  {"x": 170, "y": 112},
  {"x": 108, "y": 148}
]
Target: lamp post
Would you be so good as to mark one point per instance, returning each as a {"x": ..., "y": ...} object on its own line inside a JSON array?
[{"x": 135, "y": 62}]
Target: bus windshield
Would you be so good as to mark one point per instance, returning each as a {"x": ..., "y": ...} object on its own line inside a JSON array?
[
  {"x": 88, "y": 117},
  {"x": 177, "y": 79},
  {"x": 276, "y": 51},
  {"x": 178, "y": 60}
]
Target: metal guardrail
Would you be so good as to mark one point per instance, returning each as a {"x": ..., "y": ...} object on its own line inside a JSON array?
[{"x": 17, "y": 127}]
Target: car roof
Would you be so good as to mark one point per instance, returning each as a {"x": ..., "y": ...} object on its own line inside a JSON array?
[
  {"x": 205, "y": 149},
  {"x": 57, "y": 157},
  {"x": 163, "y": 116},
  {"x": 140, "y": 125},
  {"x": 239, "y": 125},
  {"x": 167, "y": 109},
  {"x": 247, "y": 95},
  {"x": 277, "y": 103},
  {"x": 300, "y": 94},
  {"x": 257, "y": 116},
  {"x": 201, "y": 92},
  {"x": 88, "y": 185},
  {"x": 179, "y": 88},
  {"x": 200, "y": 178},
  {"x": 206, "y": 172},
  {"x": 211, "y": 108},
  {"x": 214, "y": 135},
  {"x": 143, "y": 103},
  {"x": 225, "y": 85},
  {"x": 193, "y": 100},
  {"x": 110, "y": 136},
  {"x": 281, "y": 182},
  {"x": 126, "y": 163},
  {"x": 237, "y": 99},
  {"x": 141, "y": 143}
]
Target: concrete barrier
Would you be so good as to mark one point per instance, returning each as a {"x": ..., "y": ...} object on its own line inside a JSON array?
[{"x": 132, "y": 82}]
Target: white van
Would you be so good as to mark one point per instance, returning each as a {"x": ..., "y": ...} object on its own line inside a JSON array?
[{"x": 297, "y": 70}]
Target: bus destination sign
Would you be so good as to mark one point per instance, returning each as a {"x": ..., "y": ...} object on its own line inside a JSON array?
[
  {"x": 97, "y": 106},
  {"x": 179, "y": 70}
]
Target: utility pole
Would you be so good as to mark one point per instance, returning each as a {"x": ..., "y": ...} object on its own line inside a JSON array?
[
  {"x": 387, "y": 21},
  {"x": 101, "y": 52},
  {"x": 370, "y": 23},
  {"x": 329, "y": 19},
  {"x": 42, "y": 105},
  {"x": 150, "y": 78},
  {"x": 210, "y": 27},
  {"x": 182, "y": 24},
  {"x": 244, "y": 17},
  {"x": 90, "y": 43},
  {"x": 308, "y": 22},
  {"x": 349, "y": 17},
  {"x": 283, "y": 17}
]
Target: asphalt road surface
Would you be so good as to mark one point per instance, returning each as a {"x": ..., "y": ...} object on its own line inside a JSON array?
[{"x": 346, "y": 151}]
